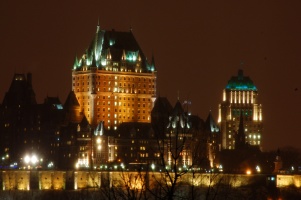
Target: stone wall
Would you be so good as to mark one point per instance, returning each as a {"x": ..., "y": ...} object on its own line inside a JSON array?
[
  {"x": 73, "y": 180},
  {"x": 288, "y": 180}
]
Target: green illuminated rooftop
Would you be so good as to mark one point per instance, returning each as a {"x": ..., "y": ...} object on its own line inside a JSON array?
[
  {"x": 241, "y": 82},
  {"x": 114, "y": 48}
]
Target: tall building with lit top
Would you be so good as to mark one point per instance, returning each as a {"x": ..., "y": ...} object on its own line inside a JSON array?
[
  {"x": 240, "y": 102},
  {"x": 113, "y": 81}
]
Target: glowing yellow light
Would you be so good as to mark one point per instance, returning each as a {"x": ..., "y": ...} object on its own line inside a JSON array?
[{"x": 26, "y": 159}]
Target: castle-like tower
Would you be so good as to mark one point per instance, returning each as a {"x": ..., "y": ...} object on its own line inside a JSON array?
[
  {"x": 240, "y": 99},
  {"x": 113, "y": 81}
]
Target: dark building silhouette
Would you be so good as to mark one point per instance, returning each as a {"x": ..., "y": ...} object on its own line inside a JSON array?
[{"x": 28, "y": 128}]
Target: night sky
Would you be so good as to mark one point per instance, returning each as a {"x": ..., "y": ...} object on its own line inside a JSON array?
[{"x": 198, "y": 45}]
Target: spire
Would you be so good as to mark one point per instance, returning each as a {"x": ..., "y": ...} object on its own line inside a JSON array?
[
  {"x": 138, "y": 57},
  {"x": 123, "y": 57},
  {"x": 99, "y": 129},
  {"x": 153, "y": 65},
  {"x": 240, "y": 74},
  {"x": 98, "y": 27},
  {"x": 153, "y": 60},
  {"x": 210, "y": 124},
  {"x": 75, "y": 65}
]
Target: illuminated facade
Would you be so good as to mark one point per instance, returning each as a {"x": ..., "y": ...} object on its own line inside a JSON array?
[
  {"x": 113, "y": 82},
  {"x": 240, "y": 95}
]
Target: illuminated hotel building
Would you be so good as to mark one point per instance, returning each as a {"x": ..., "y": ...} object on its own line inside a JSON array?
[
  {"x": 113, "y": 81},
  {"x": 240, "y": 95}
]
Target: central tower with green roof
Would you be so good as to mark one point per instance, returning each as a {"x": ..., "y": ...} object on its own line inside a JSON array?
[
  {"x": 113, "y": 80},
  {"x": 240, "y": 98}
]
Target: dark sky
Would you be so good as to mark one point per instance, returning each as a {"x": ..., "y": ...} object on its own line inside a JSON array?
[{"x": 198, "y": 45}]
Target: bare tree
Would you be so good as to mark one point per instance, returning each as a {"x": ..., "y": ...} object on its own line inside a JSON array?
[
  {"x": 125, "y": 185},
  {"x": 179, "y": 146}
]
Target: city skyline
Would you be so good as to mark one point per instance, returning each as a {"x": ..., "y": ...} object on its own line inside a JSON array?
[{"x": 206, "y": 42}]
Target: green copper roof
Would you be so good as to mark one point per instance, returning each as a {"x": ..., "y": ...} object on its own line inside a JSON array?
[
  {"x": 120, "y": 48},
  {"x": 241, "y": 82}
]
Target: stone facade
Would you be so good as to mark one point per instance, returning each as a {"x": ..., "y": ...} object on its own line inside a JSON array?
[{"x": 75, "y": 180}]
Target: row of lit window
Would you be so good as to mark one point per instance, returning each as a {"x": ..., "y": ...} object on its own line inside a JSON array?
[
  {"x": 124, "y": 110},
  {"x": 115, "y": 121},
  {"x": 116, "y": 97},
  {"x": 115, "y": 78},
  {"x": 250, "y": 136},
  {"x": 251, "y": 142},
  {"x": 118, "y": 91},
  {"x": 124, "y": 117},
  {"x": 120, "y": 104},
  {"x": 116, "y": 85}
]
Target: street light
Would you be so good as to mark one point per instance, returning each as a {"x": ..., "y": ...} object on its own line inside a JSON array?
[{"x": 31, "y": 160}]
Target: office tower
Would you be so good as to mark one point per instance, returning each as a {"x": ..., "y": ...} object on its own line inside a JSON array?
[{"x": 240, "y": 98}]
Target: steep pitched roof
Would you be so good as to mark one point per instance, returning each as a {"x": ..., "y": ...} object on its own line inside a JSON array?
[
  {"x": 211, "y": 125},
  {"x": 20, "y": 91},
  {"x": 71, "y": 100},
  {"x": 115, "y": 46},
  {"x": 99, "y": 129},
  {"x": 162, "y": 105},
  {"x": 178, "y": 109},
  {"x": 84, "y": 122},
  {"x": 178, "y": 117}
]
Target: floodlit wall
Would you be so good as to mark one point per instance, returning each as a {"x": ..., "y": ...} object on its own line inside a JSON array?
[
  {"x": 15, "y": 181},
  {"x": 288, "y": 180},
  {"x": 73, "y": 180}
]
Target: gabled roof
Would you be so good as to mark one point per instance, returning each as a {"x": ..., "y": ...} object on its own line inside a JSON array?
[
  {"x": 84, "y": 122},
  {"x": 71, "y": 100},
  {"x": 177, "y": 110},
  {"x": 99, "y": 129},
  {"x": 162, "y": 105},
  {"x": 211, "y": 125},
  {"x": 178, "y": 117},
  {"x": 20, "y": 91}
]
